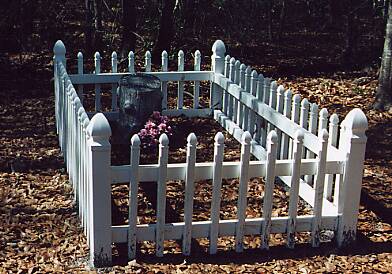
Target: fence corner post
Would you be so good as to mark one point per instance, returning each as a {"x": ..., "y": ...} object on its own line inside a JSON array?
[
  {"x": 59, "y": 52},
  {"x": 100, "y": 217},
  {"x": 352, "y": 144},
  {"x": 218, "y": 67}
]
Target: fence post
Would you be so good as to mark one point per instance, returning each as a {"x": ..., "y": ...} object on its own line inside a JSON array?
[
  {"x": 352, "y": 144},
  {"x": 100, "y": 191},
  {"x": 59, "y": 56},
  {"x": 217, "y": 66}
]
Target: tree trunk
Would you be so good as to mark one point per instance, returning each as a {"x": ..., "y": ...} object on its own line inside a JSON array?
[
  {"x": 350, "y": 36},
  {"x": 269, "y": 19},
  {"x": 165, "y": 34},
  {"x": 98, "y": 24},
  {"x": 129, "y": 26},
  {"x": 88, "y": 26},
  {"x": 384, "y": 91}
]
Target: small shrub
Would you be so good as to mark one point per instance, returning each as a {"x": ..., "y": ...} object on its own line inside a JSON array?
[{"x": 156, "y": 125}]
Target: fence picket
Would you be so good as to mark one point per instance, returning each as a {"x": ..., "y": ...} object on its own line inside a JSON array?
[
  {"x": 295, "y": 109},
  {"x": 241, "y": 107},
  {"x": 261, "y": 134},
  {"x": 313, "y": 129},
  {"x": 189, "y": 193},
  {"x": 284, "y": 150},
  {"x": 114, "y": 86},
  {"x": 294, "y": 188},
  {"x": 243, "y": 190},
  {"x": 253, "y": 122},
  {"x": 161, "y": 194},
  {"x": 304, "y": 116},
  {"x": 225, "y": 93},
  {"x": 133, "y": 190},
  {"x": 196, "y": 90},
  {"x": 236, "y": 81},
  {"x": 97, "y": 64},
  {"x": 272, "y": 139},
  {"x": 279, "y": 108},
  {"x": 246, "y": 124},
  {"x": 180, "y": 93},
  {"x": 80, "y": 72},
  {"x": 164, "y": 83},
  {"x": 332, "y": 141},
  {"x": 147, "y": 61},
  {"x": 231, "y": 99},
  {"x": 131, "y": 62},
  {"x": 216, "y": 191},
  {"x": 319, "y": 188}
]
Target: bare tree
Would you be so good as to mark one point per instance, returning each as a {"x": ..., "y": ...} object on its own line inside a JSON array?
[{"x": 384, "y": 90}]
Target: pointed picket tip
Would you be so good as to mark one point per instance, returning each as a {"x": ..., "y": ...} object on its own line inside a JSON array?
[
  {"x": 297, "y": 98},
  {"x": 76, "y": 102},
  {"x": 198, "y": 54},
  {"x": 248, "y": 70},
  {"x": 135, "y": 140},
  {"x": 181, "y": 53},
  {"x": 114, "y": 55},
  {"x": 288, "y": 94},
  {"x": 260, "y": 77},
  {"x": 97, "y": 55},
  {"x": 80, "y": 112},
  {"x": 272, "y": 137},
  {"x": 305, "y": 103},
  {"x": 314, "y": 108},
  {"x": 274, "y": 85},
  {"x": 324, "y": 134},
  {"x": 164, "y": 140},
  {"x": 281, "y": 89},
  {"x": 99, "y": 127},
  {"x": 254, "y": 74},
  {"x": 299, "y": 135},
  {"x": 164, "y": 54},
  {"x": 323, "y": 113},
  {"x": 85, "y": 120},
  {"x": 219, "y": 138},
  {"x": 219, "y": 48},
  {"x": 242, "y": 67},
  {"x": 246, "y": 138},
  {"x": 59, "y": 48},
  {"x": 192, "y": 139},
  {"x": 334, "y": 119},
  {"x": 232, "y": 61},
  {"x": 356, "y": 121},
  {"x": 131, "y": 54},
  {"x": 237, "y": 63},
  {"x": 227, "y": 58},
  {"x": 80, "y": 55},
  {"x": 148, "y": 54}
]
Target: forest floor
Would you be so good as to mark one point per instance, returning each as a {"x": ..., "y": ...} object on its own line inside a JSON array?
[{"x": 39, "y": 226}]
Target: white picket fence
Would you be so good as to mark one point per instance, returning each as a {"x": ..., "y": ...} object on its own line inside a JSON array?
[{"x": 288, "y": 137}]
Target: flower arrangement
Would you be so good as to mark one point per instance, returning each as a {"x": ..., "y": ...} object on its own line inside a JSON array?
[{"x": 156, "y": 125}]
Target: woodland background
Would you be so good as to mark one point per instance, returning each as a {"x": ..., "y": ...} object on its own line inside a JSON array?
[{"x": 327, "y": 50}]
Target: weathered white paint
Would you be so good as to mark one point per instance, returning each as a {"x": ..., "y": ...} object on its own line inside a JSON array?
[
  {"x": 272, "y": 139},
  {"x": 196, "y": 89},
  {"x": 294, "y": 189},
  {"x": 243, "y": 191},
  {"x": 97, "y": 64},
  {"x": 100, "y": 199},
  {"x": 161, "y": 194},
  {"x": 164, "y": 64},
  {"x": 189, "y": 193},
  {"x": 180, "y": 92},
  {"x": 114, "y": 86},
  {"x": 131, "y": 62},
  {"x": 216, "y": 191},
  {"x": 133, "y": 191}
]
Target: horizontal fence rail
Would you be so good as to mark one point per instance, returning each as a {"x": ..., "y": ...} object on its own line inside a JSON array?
[{"x": 294, "y": 141}]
